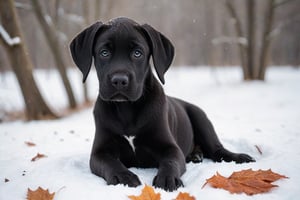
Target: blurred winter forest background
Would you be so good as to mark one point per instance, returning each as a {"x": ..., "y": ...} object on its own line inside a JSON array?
[{"x": 253, "y": 34}]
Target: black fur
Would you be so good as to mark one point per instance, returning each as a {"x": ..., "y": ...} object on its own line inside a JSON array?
[{"x": 167, "y": 131}]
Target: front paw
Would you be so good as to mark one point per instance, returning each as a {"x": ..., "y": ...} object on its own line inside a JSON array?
[
  {"x": 228, "y": 156},
  {"x": 167, "y": 182},
  {"x": 125, "y": 178}
]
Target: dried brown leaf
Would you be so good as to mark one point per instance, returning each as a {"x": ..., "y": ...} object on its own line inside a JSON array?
[
  {"x": 247, "y": 181},
  {"x": 37, "y": 157},
  {"x": 39, "y": 194},
  {"x": 184, "y": 196},
  {"x": 30, "y": 144},
  {"x": 148, "y": 193}
]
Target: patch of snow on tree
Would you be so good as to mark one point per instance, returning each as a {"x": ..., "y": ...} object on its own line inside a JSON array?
[{"x": 7, "y": 39}]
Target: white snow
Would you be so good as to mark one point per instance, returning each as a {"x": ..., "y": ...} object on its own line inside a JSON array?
[
  {"x": 6, "y": 37},
  {"x": 244, "y": 114}
]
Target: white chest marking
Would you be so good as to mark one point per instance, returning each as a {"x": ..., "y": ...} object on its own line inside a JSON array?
[{"x": 130, "y": 140}]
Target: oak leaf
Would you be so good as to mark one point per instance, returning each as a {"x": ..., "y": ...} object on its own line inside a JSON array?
[
  {"x": 184, "y": 196},
  {"x": 147, "y": 194},
  {"x": 38, "y": 156},
  {"x": 39, "y": 194},
  {"x": 247, "y": 181}
]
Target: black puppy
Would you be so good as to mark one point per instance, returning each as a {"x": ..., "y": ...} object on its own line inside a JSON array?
[{"x": 166, "y": 131}]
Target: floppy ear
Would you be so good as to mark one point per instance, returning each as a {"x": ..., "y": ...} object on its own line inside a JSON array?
[
  {"x": 162, "y": 50},
  {"x": 82, "y": 48}
]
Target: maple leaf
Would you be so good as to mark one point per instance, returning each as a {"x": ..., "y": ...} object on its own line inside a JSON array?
[
  {"x": 30, "y": 144},
  {"x": 37, "y": 157},
  {"x": 147, "y": 194},
  {"x": 247, "y": 181},
  {"x": 184, "y": 196},
  {"x": 39, "y": 194}
]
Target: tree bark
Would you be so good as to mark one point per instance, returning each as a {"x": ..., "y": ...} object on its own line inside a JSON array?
[
  {"x": 266, "y": 40},
  {"x": 53, "y": 43},
  {"x": 36, "y": 108},
  {"x": 251, "y": 38},
  {"x": 239, "y": 32}
]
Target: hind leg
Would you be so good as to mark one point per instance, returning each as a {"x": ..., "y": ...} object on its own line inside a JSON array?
[
  {"x": 206, "y": 137},
  {"x": 196, "y": 156}
]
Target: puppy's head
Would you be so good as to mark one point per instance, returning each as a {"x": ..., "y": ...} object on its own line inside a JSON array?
[{"x": 121, "y": 50}]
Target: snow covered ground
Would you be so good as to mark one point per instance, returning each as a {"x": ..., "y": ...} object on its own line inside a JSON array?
[{"x": 244, "y": 114}]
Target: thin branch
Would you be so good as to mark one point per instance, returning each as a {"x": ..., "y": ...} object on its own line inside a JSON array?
[
  {"x": 229, "y": 40},
  {"x": 276, "y": 5},
  {"x": 275, "y": 31},
  {"x": 266, "y": 40},
  {"x": 233, "y": 14},
  {"x": 23, "y": 6}
]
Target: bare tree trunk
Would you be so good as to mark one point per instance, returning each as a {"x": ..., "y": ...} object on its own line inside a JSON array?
[
  {"x": 254, "y": 66},
  {"x": 36, "y": 108},
  {"x": 53, "y": 43},
  {"x": 242, "y": 47},
  {"x": 56, "y": 13},
  {"x": 266, "y": 40},
  {"x": 85, "y": 8},
  {"x": 251, "y": 38}
]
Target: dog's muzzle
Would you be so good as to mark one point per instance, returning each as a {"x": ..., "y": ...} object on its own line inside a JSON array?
[{"x": 120, "y": 82}]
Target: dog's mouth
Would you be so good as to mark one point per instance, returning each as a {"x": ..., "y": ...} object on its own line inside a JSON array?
[{"x": 119, "y": 98}]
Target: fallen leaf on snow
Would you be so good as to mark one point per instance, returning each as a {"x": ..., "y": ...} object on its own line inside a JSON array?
[
  {"x": 30, "y": 144},
  {"x": 37, "y": 157},
  {"x": 147, "y": 194},
  {"x": 184, "y": 196},
  {"x": 6, "y": 180},
  {"x": 39, "y": 194},
  {"x": 247, "y": 181}
]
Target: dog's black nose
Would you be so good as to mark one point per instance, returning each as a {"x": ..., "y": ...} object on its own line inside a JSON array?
[{"x": 120, "y": 81}]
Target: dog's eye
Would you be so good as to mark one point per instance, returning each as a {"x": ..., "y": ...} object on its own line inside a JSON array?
[
  {"x": 105, "y": 53},
  {"x": 137, "y": 53}
]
